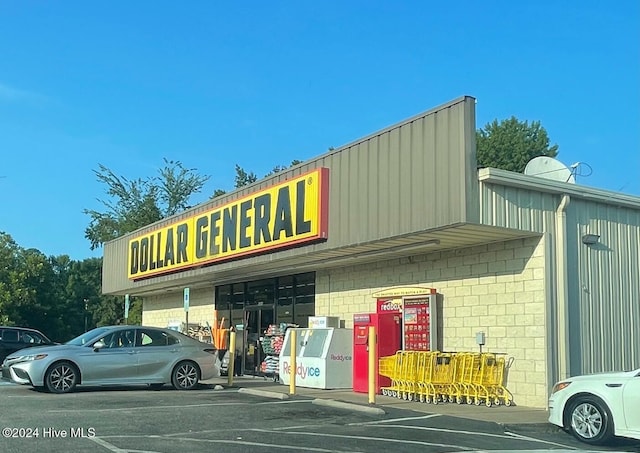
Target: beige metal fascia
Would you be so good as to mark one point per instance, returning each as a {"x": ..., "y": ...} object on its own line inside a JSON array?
[
  {"x": 528, "y": 182},
  {"x": 562, "y": 287}
]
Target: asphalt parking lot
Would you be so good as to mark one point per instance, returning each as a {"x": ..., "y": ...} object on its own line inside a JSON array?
[{"x": 207, "y": 420}]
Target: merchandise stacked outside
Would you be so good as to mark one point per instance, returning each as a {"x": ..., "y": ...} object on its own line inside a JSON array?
[{"x": 272, "y": 342}]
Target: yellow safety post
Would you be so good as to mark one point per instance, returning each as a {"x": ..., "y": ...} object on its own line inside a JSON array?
[
  {"x": 373, "y": 376},
  {"x": 292, "y": 359},
  {"x": 232, "y": 356}
]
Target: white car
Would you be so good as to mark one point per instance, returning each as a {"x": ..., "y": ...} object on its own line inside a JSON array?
[{"x": 597, "y": 407}]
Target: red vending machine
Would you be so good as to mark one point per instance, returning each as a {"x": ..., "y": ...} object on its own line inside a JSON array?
[
  {"x": 420, "y": 323},
  {"x": 389, "y": 329}
]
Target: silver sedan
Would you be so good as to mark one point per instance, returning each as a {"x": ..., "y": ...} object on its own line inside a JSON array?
[{"x": 116, "y": 355}]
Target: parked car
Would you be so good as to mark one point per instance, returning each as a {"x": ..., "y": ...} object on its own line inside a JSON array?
[
  {"x": 13, "y": 339},
  {"x": 597, "y": 407},
  {"x": 117, "y": 355}
]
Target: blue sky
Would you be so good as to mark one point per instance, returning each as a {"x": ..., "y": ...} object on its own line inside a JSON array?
[{"x": 259, "y": 84}]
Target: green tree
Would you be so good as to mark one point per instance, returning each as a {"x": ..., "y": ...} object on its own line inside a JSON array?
[
  {"x": 33, "y": 290},
  {"x": 13, "y": 275},
  {"x": 56, "y": 295},
  {"x": 511, "y": 144},
  {"x": 88, "y": 307},
  {"x": 244, "y": 178},
  {"x": 279, "y": 168},
  {"x": 218, "y": 193},
  {"x": 241, "y": 179},
  {"x": 132, "y": 204},
  {"x": 135, "y": 311},
  {"x": 42, "y": 307}
]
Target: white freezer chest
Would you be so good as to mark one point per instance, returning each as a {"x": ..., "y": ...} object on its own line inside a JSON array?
[{"x": 324, "y": 358}]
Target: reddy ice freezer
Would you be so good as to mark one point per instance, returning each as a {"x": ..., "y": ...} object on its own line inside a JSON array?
[{"x": 323, "y": 358}]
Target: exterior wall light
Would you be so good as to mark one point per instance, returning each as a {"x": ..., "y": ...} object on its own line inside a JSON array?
[{"x": 590, "y": 239}]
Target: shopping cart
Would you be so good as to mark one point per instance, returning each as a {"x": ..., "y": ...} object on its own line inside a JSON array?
[
  {"x": 408, "y": 377},
  {"x": 390, "y": 367},
  {"x": 443, "y": 377},
  {"x": 426, "y": 364},
  {"x": 493, "y": 381},
  {"x": 434, "y": 377},
  {"x": 467, "y": 377}
]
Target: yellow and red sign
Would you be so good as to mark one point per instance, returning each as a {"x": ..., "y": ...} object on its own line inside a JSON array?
[{"x": 286, "y": 215}]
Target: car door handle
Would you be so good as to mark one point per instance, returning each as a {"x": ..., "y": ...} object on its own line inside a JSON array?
[{"x": 174, "y": 350}]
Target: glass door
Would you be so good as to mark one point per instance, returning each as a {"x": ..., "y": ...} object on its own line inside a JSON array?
[{"x": 258, "y": 319}]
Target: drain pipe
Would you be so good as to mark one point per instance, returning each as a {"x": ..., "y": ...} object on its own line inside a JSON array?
[{"x": 562, "y": 288}]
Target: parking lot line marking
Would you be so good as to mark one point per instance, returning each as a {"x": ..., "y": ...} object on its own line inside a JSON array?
[
  {"x": 506, "y": 435},
  {"x": 376, "y": 439},
  {"x": 107, "y": 445},
  {"x": 314, "y": 425},
  {"x": 532, "y": 439},
  {"x": 375, "y": 422},
  {"x": 453, "y": 431},
  {"x": 474, "y": 433},
  {"x": 134, "y": 408},
  {"x": 235, "y": 442}
]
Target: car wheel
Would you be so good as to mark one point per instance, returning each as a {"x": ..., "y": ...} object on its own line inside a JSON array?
[
  {"x": 590, "y": 421},
  {"x": 62, "y": 377},
  {"x": 185, "y": 376}
]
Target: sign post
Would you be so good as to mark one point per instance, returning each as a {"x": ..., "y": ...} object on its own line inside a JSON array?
[
  {"x": 373, "y": 376},
  {"x": 292, "y": 360},
  {"x": 232, "y": 357},
  {"x": 126, "y": 308},
  {"x": 186, "y": 309}
]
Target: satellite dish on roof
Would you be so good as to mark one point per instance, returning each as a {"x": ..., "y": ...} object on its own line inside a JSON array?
[{"x": 549, "y": 168}]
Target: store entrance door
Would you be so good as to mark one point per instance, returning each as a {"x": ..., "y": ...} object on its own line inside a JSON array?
[{"x": 258, "y": 320}]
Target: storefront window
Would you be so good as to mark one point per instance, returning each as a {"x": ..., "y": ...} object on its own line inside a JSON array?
[
  {"x": 260, "y": 292},
  {"x": 302, "y": 311},
  {"x": 292, "y": 295},
  {"x": 284, "y": 308},
  {"x": 223, "y": 300},
  {"x": 304, "y": 300},
  {"x": 237, "y": 306}
]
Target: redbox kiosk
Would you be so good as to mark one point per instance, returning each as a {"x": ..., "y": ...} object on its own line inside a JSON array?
[
  {"x": 419, "y": 323},
  {"x": 407, "y": 322},
  {"x": 389, "y": 342}
]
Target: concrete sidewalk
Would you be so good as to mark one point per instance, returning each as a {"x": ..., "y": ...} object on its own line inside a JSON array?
[{"x": 513, "y": 415}]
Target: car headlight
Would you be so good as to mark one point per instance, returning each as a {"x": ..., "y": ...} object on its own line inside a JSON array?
[
  {"x": 29, "y": 358},
  {"x": 560, "y": 386}
]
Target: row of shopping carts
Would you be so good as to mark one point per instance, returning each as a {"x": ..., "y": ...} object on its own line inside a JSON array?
[{"x": 434, "y": 377}]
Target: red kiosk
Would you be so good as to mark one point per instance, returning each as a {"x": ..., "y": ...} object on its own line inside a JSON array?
[{"x": 402, "y": 323}]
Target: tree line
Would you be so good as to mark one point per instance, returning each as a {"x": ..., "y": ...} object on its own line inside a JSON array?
[
  {"x": 54, "y": 294},
  {"x": 63, "y": 297}
]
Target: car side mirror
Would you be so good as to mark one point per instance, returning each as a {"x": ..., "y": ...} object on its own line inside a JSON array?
[{"x": 98, "y": 345}]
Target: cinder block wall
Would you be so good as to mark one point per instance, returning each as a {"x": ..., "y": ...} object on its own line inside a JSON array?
[
  {"x": 497, "y": 288},
  {"x": 160, "y": 311}
]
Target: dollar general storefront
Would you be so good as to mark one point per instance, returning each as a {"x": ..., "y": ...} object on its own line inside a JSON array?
[{"x": 402, "y": 208}]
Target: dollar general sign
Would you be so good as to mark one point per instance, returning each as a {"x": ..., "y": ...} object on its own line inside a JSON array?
[{"x": 285, "y": 215}]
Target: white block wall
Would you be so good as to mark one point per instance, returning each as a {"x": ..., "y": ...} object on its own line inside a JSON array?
[
  {"x": 160, "y": 311},
  {"x": 497, "y": 288}
]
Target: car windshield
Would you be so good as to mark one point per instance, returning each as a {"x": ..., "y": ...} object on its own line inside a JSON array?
[{"x": 86, "y": 337}]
